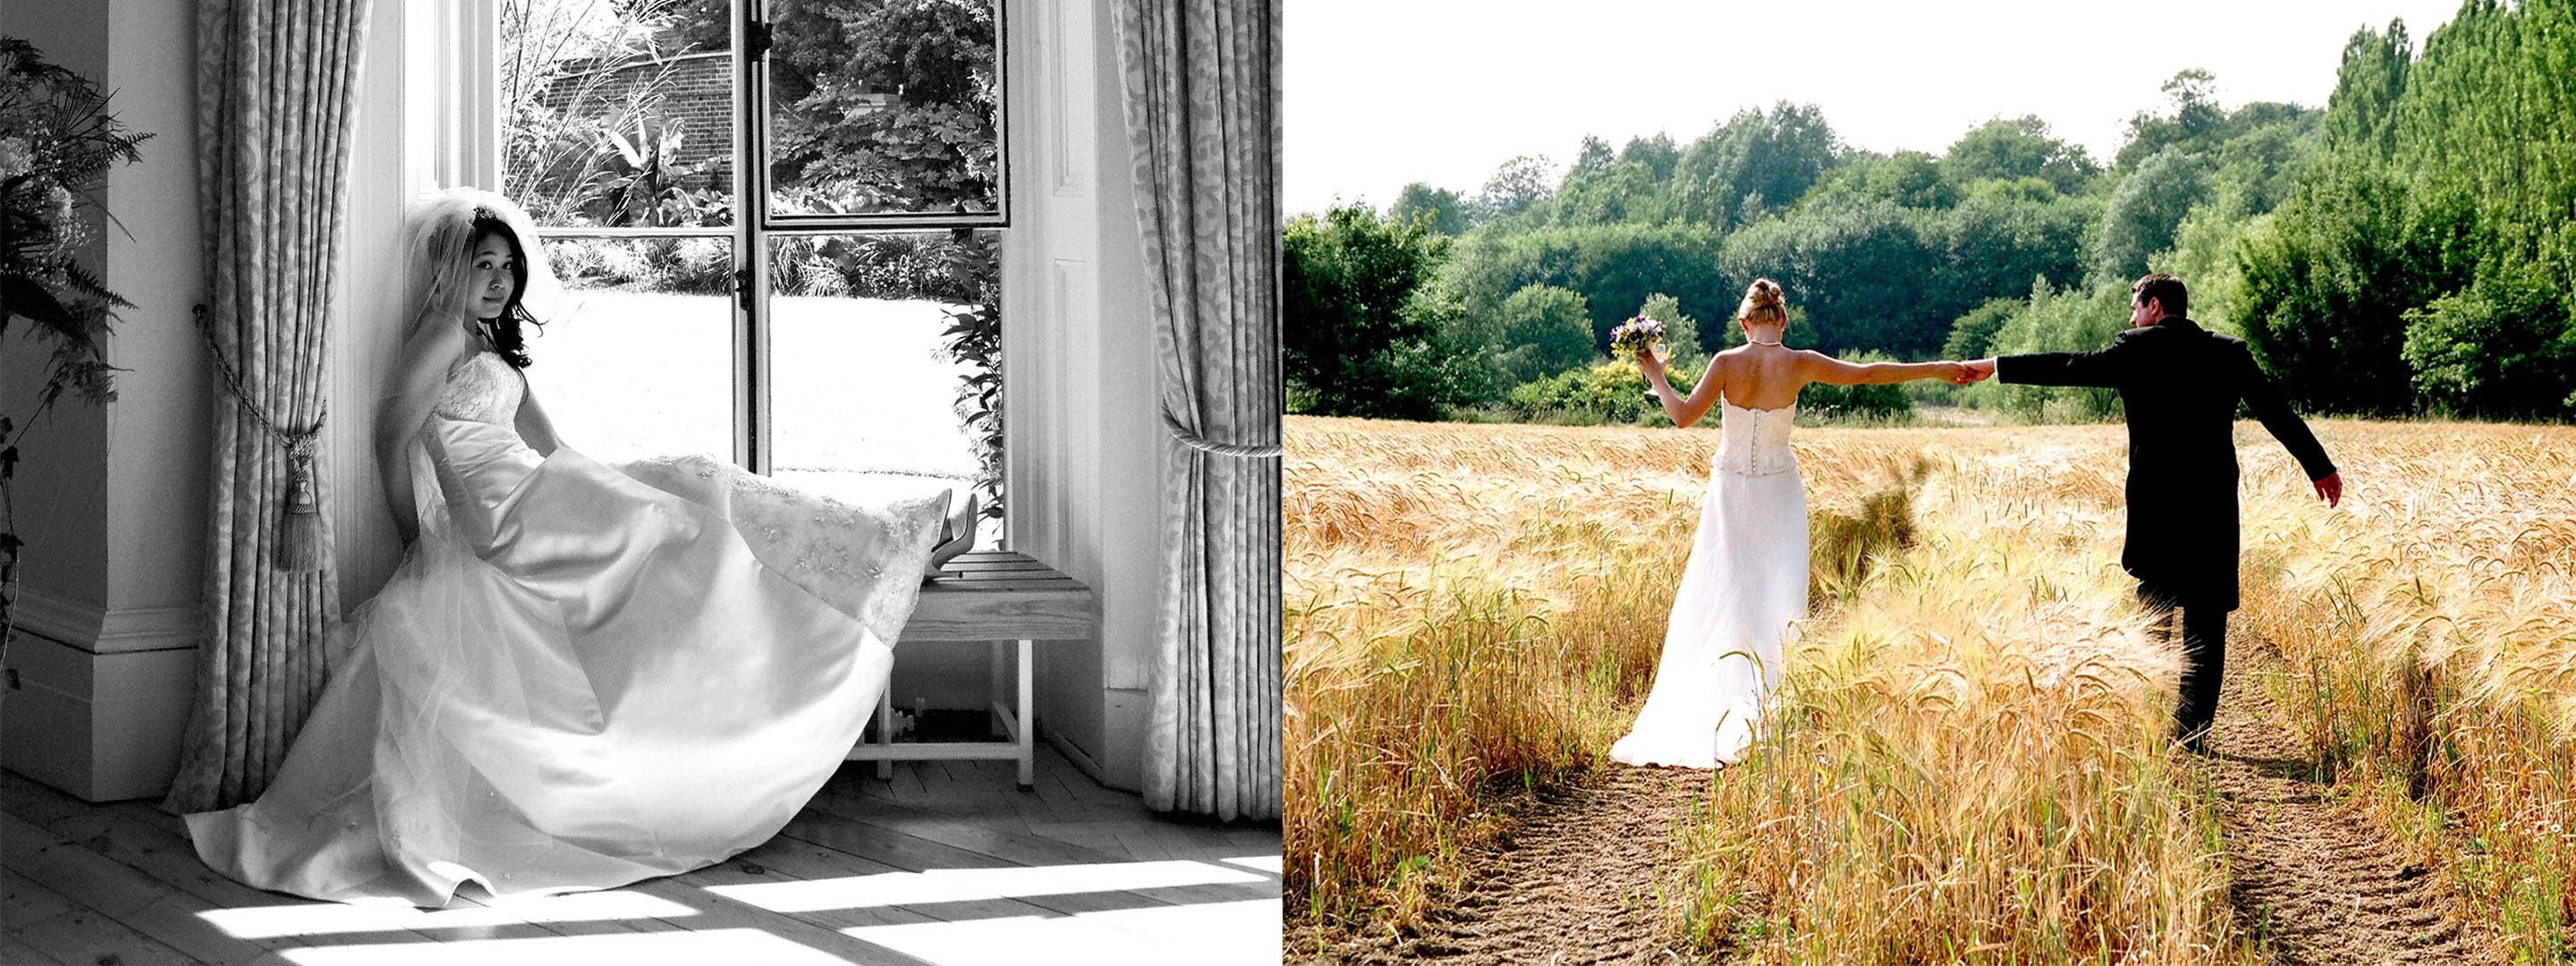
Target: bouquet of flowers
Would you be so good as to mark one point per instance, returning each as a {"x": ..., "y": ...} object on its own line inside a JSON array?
[{"x": 1637, "y": 333}]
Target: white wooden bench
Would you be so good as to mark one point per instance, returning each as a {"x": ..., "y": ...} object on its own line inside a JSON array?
[{"x": 994, "y": 597}]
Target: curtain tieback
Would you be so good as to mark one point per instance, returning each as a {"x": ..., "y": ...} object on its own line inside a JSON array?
[
  {"x": 300, "y": 526},
  {"x": 1203, "y": 444}
]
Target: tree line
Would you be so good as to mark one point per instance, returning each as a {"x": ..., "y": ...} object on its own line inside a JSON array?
[{"x": 2410, "y": 248}]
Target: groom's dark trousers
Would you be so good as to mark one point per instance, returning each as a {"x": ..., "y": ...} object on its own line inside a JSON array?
[{"x": 2179, "y": 386}]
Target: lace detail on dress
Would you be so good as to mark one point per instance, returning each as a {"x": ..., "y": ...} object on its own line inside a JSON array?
[
  {"x": 481, "y": 388},
  {"x": 1755, "y": 442}
]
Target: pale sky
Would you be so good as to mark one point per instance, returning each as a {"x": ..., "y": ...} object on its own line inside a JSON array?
[{"x": 1379, "y": 93}]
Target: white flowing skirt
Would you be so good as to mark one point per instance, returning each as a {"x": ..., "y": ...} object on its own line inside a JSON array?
[
  {"x": 582, "y": 676},
  {"x": 1745, "y": 584}
]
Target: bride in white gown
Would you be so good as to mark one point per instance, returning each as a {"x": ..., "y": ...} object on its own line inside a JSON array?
[
  {"x": 1746, "y": 580},
  {"x": 581, "y": 675}
]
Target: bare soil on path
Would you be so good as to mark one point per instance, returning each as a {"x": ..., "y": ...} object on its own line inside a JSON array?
[
  {"x": 2314, "y": 881},
  {"x": 1576, "y": 883}
]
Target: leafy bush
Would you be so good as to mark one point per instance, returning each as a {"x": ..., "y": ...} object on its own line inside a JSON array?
[
  {"x": 2501, "y": 347},
  {"x": 1876, "y": 404},
  {"x": 2057, "y": 320},
  {"x": 1612, "y": 392}
]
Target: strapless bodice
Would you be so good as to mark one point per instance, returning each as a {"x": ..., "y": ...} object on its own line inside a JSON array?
[
  {"x": 481, "y": 388},
  {"x": 1754, "y": 442}
]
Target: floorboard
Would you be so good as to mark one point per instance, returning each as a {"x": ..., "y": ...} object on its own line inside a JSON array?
[{"x": 946, "y": 863}]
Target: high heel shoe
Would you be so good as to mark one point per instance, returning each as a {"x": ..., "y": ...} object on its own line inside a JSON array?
[{"x": 956, "y": 533}]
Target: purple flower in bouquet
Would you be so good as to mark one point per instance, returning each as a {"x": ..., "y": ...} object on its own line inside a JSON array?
[{"x": 1637, "y": 333}]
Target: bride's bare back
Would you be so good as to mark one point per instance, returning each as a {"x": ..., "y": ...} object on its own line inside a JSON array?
[{"x": 1763, "y": 374}]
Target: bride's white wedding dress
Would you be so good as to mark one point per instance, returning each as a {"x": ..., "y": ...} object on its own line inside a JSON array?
[
  {"x": 581, "y": 675},
  {"x": 1745, "y": 583}
]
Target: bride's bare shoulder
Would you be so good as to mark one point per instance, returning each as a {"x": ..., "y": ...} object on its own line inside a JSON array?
[{"x": 428, "y": 353}]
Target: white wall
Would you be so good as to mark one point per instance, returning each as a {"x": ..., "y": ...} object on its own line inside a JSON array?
[{"x": 1080, "y": 381}]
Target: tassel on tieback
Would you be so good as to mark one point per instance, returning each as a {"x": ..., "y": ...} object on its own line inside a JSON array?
[
  {"x": 299, "y": 523},
  {"x": 299, "y": 527}
]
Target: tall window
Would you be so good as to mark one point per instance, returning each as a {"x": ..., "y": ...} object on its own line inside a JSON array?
[{"x": 780, "y": 223}]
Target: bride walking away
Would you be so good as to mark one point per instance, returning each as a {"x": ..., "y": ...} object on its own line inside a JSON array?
[{"x": 1746, "y": 580}]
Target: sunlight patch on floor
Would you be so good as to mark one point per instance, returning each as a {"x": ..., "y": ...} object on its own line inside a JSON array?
[
  {"x": 314, "y": 919},
  {"x": 1265, "y": 863},
  {"x": 741, "y": 946},
  {"x": 1214, "y": 932},
  {"x": 968, "y": 885}
]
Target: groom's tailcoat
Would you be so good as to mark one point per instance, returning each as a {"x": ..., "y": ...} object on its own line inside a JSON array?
[{"x": 2180, "y": 385}]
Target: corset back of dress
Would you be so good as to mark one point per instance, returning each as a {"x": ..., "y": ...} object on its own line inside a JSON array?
[{"x": 1754, "y": 442}]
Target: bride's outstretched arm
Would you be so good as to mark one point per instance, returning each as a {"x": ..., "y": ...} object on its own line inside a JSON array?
[
  {"x": 1819, "y": 367},
  {"x": 1682, "y": 411}
]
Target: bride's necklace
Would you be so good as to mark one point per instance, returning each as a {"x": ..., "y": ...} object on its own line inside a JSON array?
[{"x": 1760, "y": 342}]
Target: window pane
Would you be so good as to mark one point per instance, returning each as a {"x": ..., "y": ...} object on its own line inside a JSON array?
[
  {"x": 639, "y": 360},
  {"x": 883, "y": 352},
  {"x": 886, "y": 107},
  {"x": 618, "y": 113}
]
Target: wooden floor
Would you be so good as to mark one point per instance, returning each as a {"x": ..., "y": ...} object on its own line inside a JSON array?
[{"x": 947, "y": 863}]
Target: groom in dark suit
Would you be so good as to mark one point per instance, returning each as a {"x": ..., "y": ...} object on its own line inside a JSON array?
[{"x": 2180, "y": 384}]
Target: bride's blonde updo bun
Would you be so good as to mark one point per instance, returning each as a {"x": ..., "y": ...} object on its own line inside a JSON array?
[{"x": 1762, "y": 304}]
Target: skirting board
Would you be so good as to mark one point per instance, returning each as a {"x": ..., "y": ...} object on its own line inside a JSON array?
[
  {"x": 102, "y": 727},
  {"x": 97, "y": 630}
]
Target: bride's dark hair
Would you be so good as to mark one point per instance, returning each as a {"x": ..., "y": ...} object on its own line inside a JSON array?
[{"x": 508, "y": 330}]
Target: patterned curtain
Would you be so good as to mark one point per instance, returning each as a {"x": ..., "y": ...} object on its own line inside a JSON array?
[
  {"x": 1202, "y": 93},
  {"x": 273, "y": 121}
]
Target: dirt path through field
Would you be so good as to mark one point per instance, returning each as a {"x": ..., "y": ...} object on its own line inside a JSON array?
[
  {"x": 1576, "y": 884},
  {"x": 2314, "y": 883}
]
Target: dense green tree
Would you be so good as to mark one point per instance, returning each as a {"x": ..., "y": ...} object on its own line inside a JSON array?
[
  {"x": 1539, "y": 331},
  {"x": 1658, "y": 153},
  {"x": 1754, "y": 162},
  {"x": 2193, "y": 125},
  {"x": 2143, "y": 212},
  {"x": 1443, "y": 210},
  {"x": 933, "y": 148},
  {"x": 1911, "y": 179},
  {"x": 1594, "y": 155},
  {"x": 2000, "y": 237},
  {"x": 1614, "y": 192},
  {"x": 1612, "y": 266},
  {"x": 2361, "y": 114},
  {"x": 2058, "y": 319},
  {"x": 2423, "y": 259},
  {"x": 2019, "y": 147},
  {"x": 2499, "y": 348},
  {"x": 2328, "y": 281},
  {"x": 1863, "y": 273},
  {"x": 1972, "y": 336},
  {"x": 1516, "y": 186},
  {"x": 1355, "y": 337}
]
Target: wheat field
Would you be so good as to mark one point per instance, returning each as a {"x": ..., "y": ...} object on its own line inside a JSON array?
[{"x": 1970, "y": 762}]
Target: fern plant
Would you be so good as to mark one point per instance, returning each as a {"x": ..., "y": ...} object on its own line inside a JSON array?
[{"x": 57, "y": 143}]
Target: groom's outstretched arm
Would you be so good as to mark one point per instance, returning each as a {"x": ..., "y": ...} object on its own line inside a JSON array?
[
  {"x": 2272, "y": 408},
  {"x": 2108, "y": 367}
]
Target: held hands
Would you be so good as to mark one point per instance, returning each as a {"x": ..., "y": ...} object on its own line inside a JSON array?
[
  {"x": 2330, "y": 488},
  {"x": 1963, "y": 373}
]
